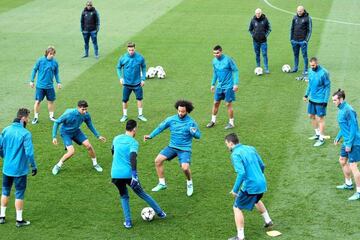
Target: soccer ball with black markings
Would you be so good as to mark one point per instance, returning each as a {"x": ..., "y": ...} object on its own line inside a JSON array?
[
  {"x": 286, "y": 68},
  {"x": 258, "y": 71},
  {"x": 148, "y": 214}
]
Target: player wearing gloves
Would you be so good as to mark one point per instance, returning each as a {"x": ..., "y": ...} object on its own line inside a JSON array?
[
  {"x": 317, "y": 94},
  {"x": 182, "y": 130},
  {"x": 250, "y": 184},
  {"x": 350, "y": 149},
  {"x": 124, "y": 171},
  {"x": 17, "y": 152}
]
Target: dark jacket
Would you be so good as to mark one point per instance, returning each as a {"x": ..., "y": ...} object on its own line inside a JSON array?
[
  {"x": 301, "y": 28},
  {"x": 90, "y": 20},
  {"x": 260, "y": 28}
]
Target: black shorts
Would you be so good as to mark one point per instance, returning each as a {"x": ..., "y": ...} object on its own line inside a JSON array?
[{"x": 121, "y": 183}]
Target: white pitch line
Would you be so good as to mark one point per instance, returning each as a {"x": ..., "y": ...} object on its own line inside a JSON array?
[{"x": 315, "y": 18}]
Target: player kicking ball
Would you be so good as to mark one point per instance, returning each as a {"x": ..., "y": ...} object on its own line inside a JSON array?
[
  {"x": 124, "y": 171},
  {"x": 250, "y": 184},
  {"x": 70, "y": 131},
  {"x": 182, "y": 130}
]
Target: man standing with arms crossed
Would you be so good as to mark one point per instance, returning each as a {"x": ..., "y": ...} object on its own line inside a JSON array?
[
  {"x": 17, "y": 151},
  {"x": 47, "y": 68},
  {"x": 131, "y": 71},
  {"x": 317, "y": 94},
  {"x": 250, "y": 184},
  {"x": 227, "y": 75},
  {"x": 90, "y": 25},
  {"x": 350, "y": 149}
]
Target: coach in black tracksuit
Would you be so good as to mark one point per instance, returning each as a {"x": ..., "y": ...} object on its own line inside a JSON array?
[
  {"x": 300, "y": 34},
  {"x": 260, "y": 29},
  {"x": 90, "y": 23}
]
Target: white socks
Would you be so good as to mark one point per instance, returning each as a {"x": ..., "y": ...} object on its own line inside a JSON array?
[
  {"x": 348, "y": 181},
  {"x": 317, "y": 132},
  {"x": 162, "y": 181},
  {"x": 240, "y": 233},
  {"x": 59, "y": 164},
  {"x": 358, "y": 189},
  {"x": 51, "y": 114},
  {"x": 231, "y": 121},
  {"x": 36, "y": 115},
  {"x": 19, "y": 215},
  {"x": 3, "y": 211},
  {"x": 189, "y": 182},
  {"x": 140, "y": 111},
  {"x": 125, "y": 112},
  {"x": 213, "y": 118},
  {"x": 94, "y": 161},
  {"x": 266, "y": 217}
]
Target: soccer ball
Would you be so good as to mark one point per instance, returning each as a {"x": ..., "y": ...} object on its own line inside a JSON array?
[
  {"x": 151, "y": 72},
  {"x": 286, "y": 68},
  {"x": 147, "y": 214},
  {"x": 258, "y": 71},
  {"x": 160, "y": 72}
]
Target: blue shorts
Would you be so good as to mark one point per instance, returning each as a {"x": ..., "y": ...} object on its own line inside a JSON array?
[
  {"x": 247, "y": 201},
  {"x": 78, "y": 136},
  {"x": 353, "y": 155},
  {"x": 40, "y": 94},
  {"x": 316, "y": 109},
  {"x": 227, "y": 94},
  {"x": 127, "y": 91},
  {"x": 20, "y": 186},
  {"x": 170, "y": 153}
]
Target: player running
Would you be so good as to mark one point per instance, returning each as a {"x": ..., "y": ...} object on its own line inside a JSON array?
[
  {"x": 124, "y": 171},
  {"x": 47, "y": 68},
  {"x": 182, "y": 130},
  {"x": 350, "y": 149},
  {"x": 70, "y": 122},
  {"x": 250, "y": 184}
]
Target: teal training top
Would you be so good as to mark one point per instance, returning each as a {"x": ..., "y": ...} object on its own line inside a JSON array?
[
  {"x": 47, "y": 70},
  {"x": 348, "y": 123},
  {"x": 132, "y": 69},
  {"x": 225, "y": 72}
]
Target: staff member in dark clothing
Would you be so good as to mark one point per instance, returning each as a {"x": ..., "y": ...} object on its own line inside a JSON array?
[
  {"x": 260, "y": 29},
  {"x": 300, "y": 34},
  {"x": 90, "y": 23}
]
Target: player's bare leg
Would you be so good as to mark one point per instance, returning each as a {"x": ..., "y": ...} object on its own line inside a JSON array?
[{"x": 159, "y": 166}]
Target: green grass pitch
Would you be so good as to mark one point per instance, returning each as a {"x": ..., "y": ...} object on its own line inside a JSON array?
[{"x": 179, "y": 35}]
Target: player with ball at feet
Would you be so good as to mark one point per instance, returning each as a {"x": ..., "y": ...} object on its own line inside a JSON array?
[{"x": 124, "y": 171}]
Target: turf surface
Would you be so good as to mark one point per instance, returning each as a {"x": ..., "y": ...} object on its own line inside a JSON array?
[{"x": 81, "y": 204}]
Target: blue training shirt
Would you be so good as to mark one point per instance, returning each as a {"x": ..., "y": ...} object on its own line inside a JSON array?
[
  {"x": 71, "y": 121},
  {"x": 132, "y": 69},
  {"x": 225, "y": 72},
  {"x": 349, "y": 128},
  {"x": 249, "y": 168},
  {"x": 180, "y": 134},
  {"x": 318, "y": 89},
  {"x": 47, "y": 70},
  {"x": 17, "y": 150},
  {"x": 123, "y": 145}
]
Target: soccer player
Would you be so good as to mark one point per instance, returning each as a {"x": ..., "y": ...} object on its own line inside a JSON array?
[
  {"x": 260, "y": 29},
  {"x": 300, "y": 33},
  {"x": 131, "y": 70},
  {"x": 47, "y": 68},
  {"x": 227, "y": 75},
  {"x": 350, "y": 149},
  {"x": 70, "y": 122},
  {"x": 317, "y": 94},
  {"x": 124, "y": 171},
  {"x": 17, "y": 151},
  {"x": 182, "y": 130},
  {"x": 250, "y": 184},
  {"x": 90, "y": 25}
]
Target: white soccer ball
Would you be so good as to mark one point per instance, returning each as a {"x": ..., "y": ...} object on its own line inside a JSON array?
[
  {"x": 161, "y": 74},
  {"x": 286, "y": 68},
  {"x": 151, "y": 72},
  {"x": 258, "y": 71},
  {"x": 147, "y": 214},
  {"x": 159, "y": 68}
]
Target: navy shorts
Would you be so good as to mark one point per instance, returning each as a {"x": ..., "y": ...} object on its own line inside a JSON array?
[
  {"x": 40, "y": 94},
  {"x": 224, "y": 94},
  {"x": 127, "y": 91},
  {"x": 170, "y": 153},
  {"x": 78, "y": 136},
  {"x": 247, "y": 201},
  {"x": 20, "y": 186},
  {"x": 316, "y": 109},
  {"x": 353, "y": 155}
]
